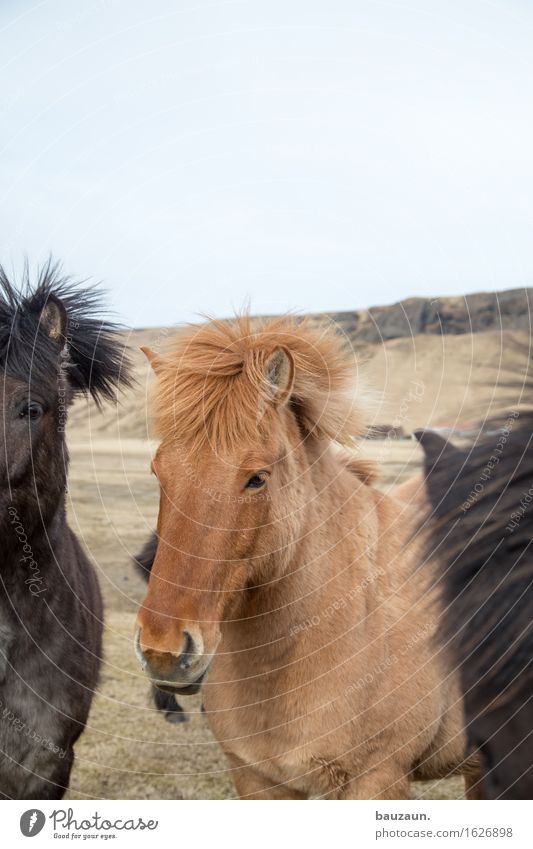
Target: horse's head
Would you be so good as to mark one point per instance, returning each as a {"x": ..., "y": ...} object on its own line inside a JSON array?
[
  {"x": 52, "y": 346},
  {"x": 242, "y": 415}
]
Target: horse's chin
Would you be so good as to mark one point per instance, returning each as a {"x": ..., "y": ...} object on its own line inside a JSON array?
[
  {"x": 185, "y": 690},
  {"x": 189, "y": 690}
]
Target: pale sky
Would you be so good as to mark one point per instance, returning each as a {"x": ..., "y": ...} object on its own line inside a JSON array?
[{"x": 295, "y": 154}]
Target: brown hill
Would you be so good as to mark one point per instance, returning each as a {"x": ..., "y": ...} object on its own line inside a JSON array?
[
  {"x": 446, "y": 361},
  {"x": 451, "y": 381},
  {"x": 509, "y": 310}
]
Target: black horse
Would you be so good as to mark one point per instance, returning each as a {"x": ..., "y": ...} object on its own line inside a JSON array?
[
  {"x": 165, "y": 702},
  {"x": 53, "y": 346},
  {"x": 481, "y": 531}
]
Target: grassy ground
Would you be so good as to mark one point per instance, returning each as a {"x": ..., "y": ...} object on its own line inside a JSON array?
[{"x": 128, "y": 750}]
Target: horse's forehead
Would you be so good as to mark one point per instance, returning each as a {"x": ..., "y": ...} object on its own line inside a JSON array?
[
  {"x": 9, "y": 385},
  {"x": 260, "y": 454}
]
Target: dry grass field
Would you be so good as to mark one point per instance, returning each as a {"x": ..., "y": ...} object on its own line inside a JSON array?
[{"x": 128, "y": 750}]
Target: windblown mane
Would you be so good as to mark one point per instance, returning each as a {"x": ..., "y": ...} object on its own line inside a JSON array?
[
  {"x": 481, "y": 533},
  {"x": 95, "y": 358},
  {"x": 211, "y": 385},
  {"x": 482, "y": 530}
]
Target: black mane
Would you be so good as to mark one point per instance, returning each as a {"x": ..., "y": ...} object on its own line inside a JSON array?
[
  {"x": 481, "y": 532},
  {"x": 95, "y": 361}
]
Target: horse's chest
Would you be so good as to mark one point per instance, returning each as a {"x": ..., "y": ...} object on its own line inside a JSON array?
[
  {"x": 28, "y": 692},
  {"x": 34, "y": 735},
  {"x": 275, "y": 737}
]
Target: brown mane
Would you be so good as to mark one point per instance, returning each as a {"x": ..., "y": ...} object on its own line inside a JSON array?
[
  {"x": 211, "y": 385},
  {"x": 364, "y": 468}
]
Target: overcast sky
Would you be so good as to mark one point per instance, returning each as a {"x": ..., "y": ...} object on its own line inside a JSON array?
[{"x": 301, "y": 154}]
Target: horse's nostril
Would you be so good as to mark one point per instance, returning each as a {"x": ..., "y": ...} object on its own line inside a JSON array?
[{"x": 186, "y": 657}]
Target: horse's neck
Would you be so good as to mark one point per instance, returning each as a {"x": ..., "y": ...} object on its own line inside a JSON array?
[
  {"x": 30, "y": 540},
  {"x": 30, "y": 568}
]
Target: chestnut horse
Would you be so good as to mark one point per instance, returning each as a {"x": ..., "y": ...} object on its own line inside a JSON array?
[{"x": 284, "y": 579}]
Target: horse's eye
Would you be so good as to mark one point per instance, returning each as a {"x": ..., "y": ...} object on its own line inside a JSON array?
[
  {"x": 257, "y": 481},
  {"x": 33, "y": 410}
]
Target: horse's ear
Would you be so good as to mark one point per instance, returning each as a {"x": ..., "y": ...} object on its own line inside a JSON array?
[
  {"x": 279, "y": 376},
  {"x": 54, "y": 319},
  {"x": 436, "y": 448},
  {"x": 155, "y": 360}
]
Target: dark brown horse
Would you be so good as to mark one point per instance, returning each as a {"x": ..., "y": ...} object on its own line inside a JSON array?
[
  {"x": 53, "y": 346},
  {"x": 482, "y": 534}
]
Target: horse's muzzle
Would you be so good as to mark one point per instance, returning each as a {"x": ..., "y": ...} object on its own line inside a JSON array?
[{"x": 181, "y": 673}]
